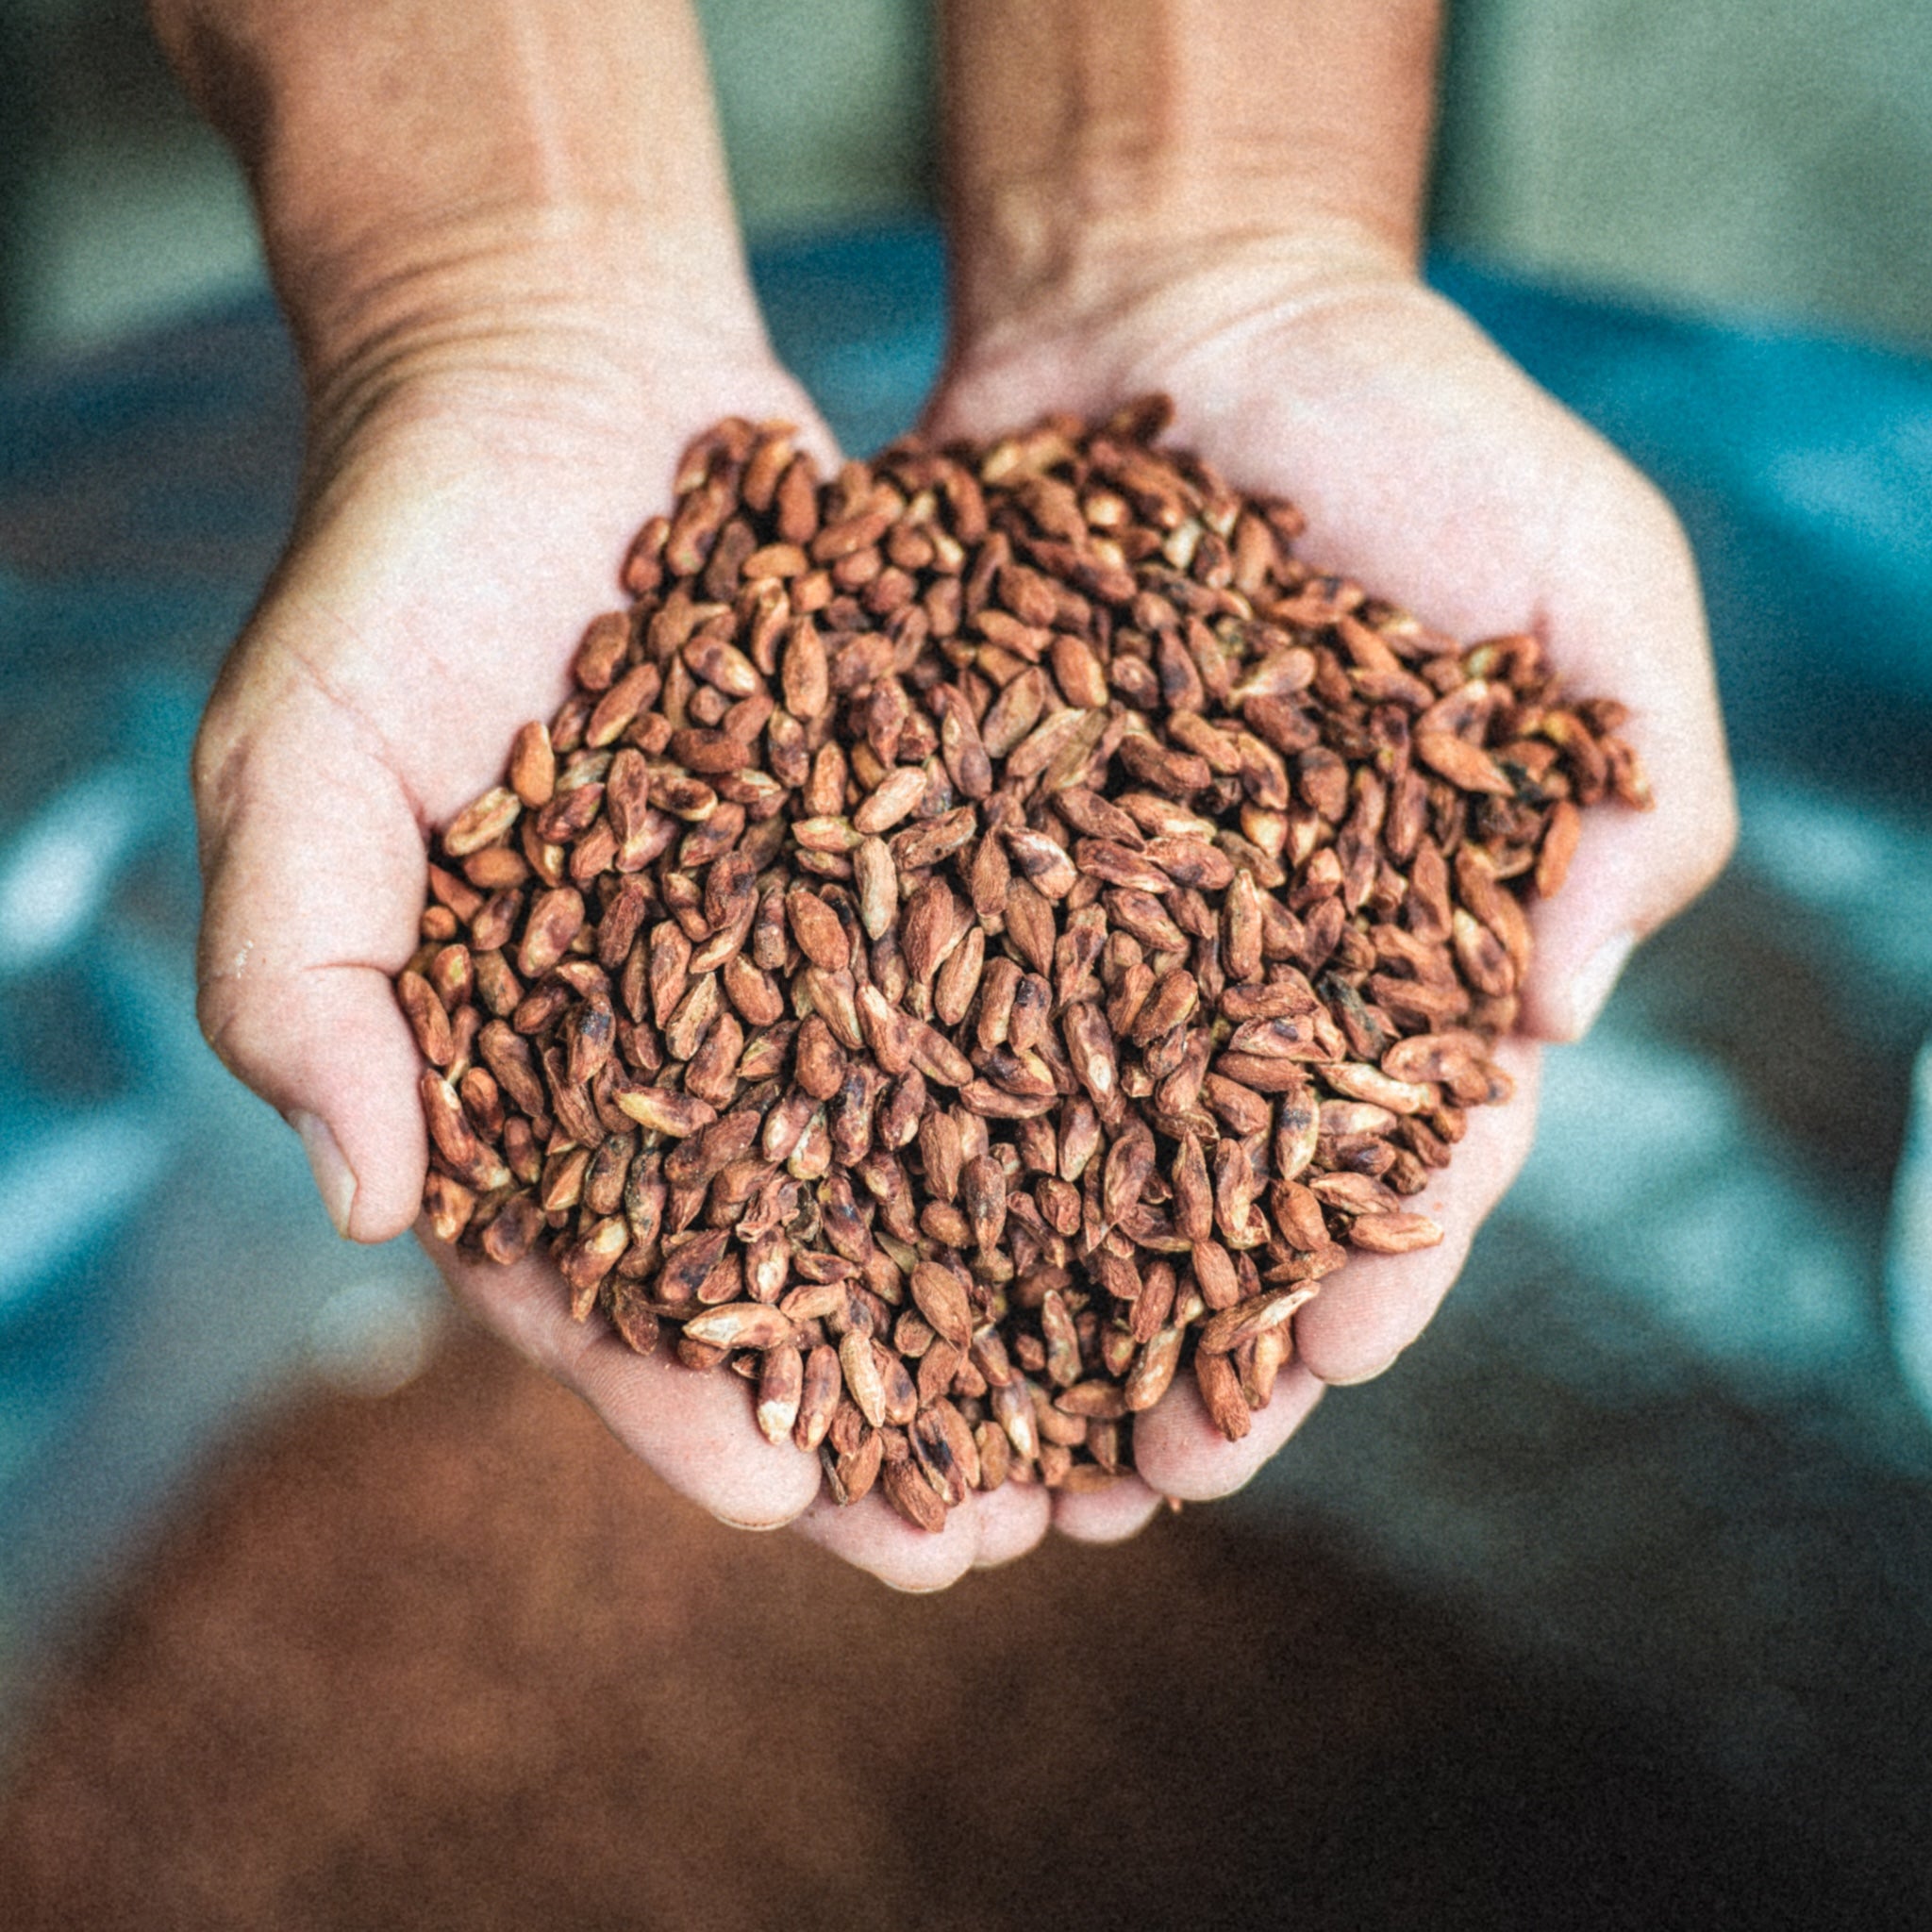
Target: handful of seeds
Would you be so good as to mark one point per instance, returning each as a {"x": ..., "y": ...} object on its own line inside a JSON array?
[{"x": 985, "y": 934}]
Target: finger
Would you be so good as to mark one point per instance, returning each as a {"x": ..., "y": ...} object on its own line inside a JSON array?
[
  {"x": 1105, "y": 1516},
  {"x": 1639, "y": 635},
  {"x": 1631, "y": 874},
  {"x": 1013, "y": 1519},
  {"x": 314, "y": 884},
  {"x": 695, "y": 1430},
  {"x": 1372, "y": 1309},
  {"x": 871, "y": 1535},
  {"x": 1180, "y": 1453}
]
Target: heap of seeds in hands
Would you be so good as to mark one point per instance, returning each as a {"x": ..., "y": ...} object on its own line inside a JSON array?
[{"x": 985, "y": 934}]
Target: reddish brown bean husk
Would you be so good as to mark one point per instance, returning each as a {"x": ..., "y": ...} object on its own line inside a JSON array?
[{"x": 988, "y": 930}]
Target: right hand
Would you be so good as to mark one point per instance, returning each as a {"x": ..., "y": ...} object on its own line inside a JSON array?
[{"x": 473, "y": 480}]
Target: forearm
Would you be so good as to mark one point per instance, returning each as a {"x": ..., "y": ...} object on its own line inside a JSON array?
[
  {"x": 420, "y": 166},
  {"x": 1093, "y": 145}
]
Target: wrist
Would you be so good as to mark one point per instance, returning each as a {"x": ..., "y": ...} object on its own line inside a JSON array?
[
  {"x": 515, "y": 180},
  {"x": 1186, "y": 318},
  {"x": 1102, "y": 151},
  {"x": 561, "y": 311}
]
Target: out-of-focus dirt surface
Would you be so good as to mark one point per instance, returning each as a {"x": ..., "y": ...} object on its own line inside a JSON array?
[{"x": 453, "y": 1660}]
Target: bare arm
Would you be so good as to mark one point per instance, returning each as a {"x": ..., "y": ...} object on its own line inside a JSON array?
[
  {"x": 413, "y": 163},
  {"x": 1223, "y": 199},
  {"x": 1098, "y": 147}
]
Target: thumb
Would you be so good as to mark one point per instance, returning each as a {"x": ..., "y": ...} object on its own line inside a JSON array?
[
  {"x": 1631, "y": 874},
  {"x": 313, "y": 869},
  {"x": 1635, "y": 870}
]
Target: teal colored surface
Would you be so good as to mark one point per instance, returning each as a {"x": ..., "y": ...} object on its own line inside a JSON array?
[{"x": 1709, "y": 1392}]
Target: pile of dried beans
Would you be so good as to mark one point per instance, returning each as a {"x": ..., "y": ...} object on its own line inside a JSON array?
[{"x": 985, "y": 934}]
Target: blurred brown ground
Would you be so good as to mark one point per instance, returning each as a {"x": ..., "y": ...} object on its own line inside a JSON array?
[{"x": 452, "y": 1660}]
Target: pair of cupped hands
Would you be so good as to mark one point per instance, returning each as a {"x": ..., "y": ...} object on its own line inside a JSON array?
[{"x": 486, "y": 433}]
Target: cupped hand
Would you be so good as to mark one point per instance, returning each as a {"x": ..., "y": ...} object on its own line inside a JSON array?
[
  {"x": 470, "y": 492},
  {"x": 474, "y": 477},
  {"x": 470, "y": 496},
  {"x": 1435, "y": 474}
]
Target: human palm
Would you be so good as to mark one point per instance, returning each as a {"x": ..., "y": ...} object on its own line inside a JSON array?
[
  {"x": 450, "y": 550},
  {"x": 1434, "y": 472}
]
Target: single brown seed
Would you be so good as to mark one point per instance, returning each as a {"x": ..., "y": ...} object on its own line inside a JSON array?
[
  {"x": 741, "y": 1324},
  {"x": 1240, "y": 1323},
  {"x": 853, "y": 1475},
  {"x": 913, "y": 1496},
  {"x": 818, "y": 1396},
  {"x": 863, "y": 1382},
  {"x": 941, "y": 1298},
  {"x": 1219, "y": 1382},
  {"x": 817, "y": 930},
  {"x": 1394, "y": 1232},
  {"x": 1154, "y": 1368},
  {"x": 1013, "y": 1410},
  {"x": 636, "y": 1325},
  {"x": 533, "y": 764},
  {"x": 426, "y": 1017}
]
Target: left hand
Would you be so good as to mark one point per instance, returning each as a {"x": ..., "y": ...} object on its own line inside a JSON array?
[{"x": 1433, "y": 472}]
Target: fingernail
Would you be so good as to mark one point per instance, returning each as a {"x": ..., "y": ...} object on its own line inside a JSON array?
[
  {"x": 335, "y": 1180},
  {"x": 1592, "y": 986},
  {"x": 1367, "y": 1374}
]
